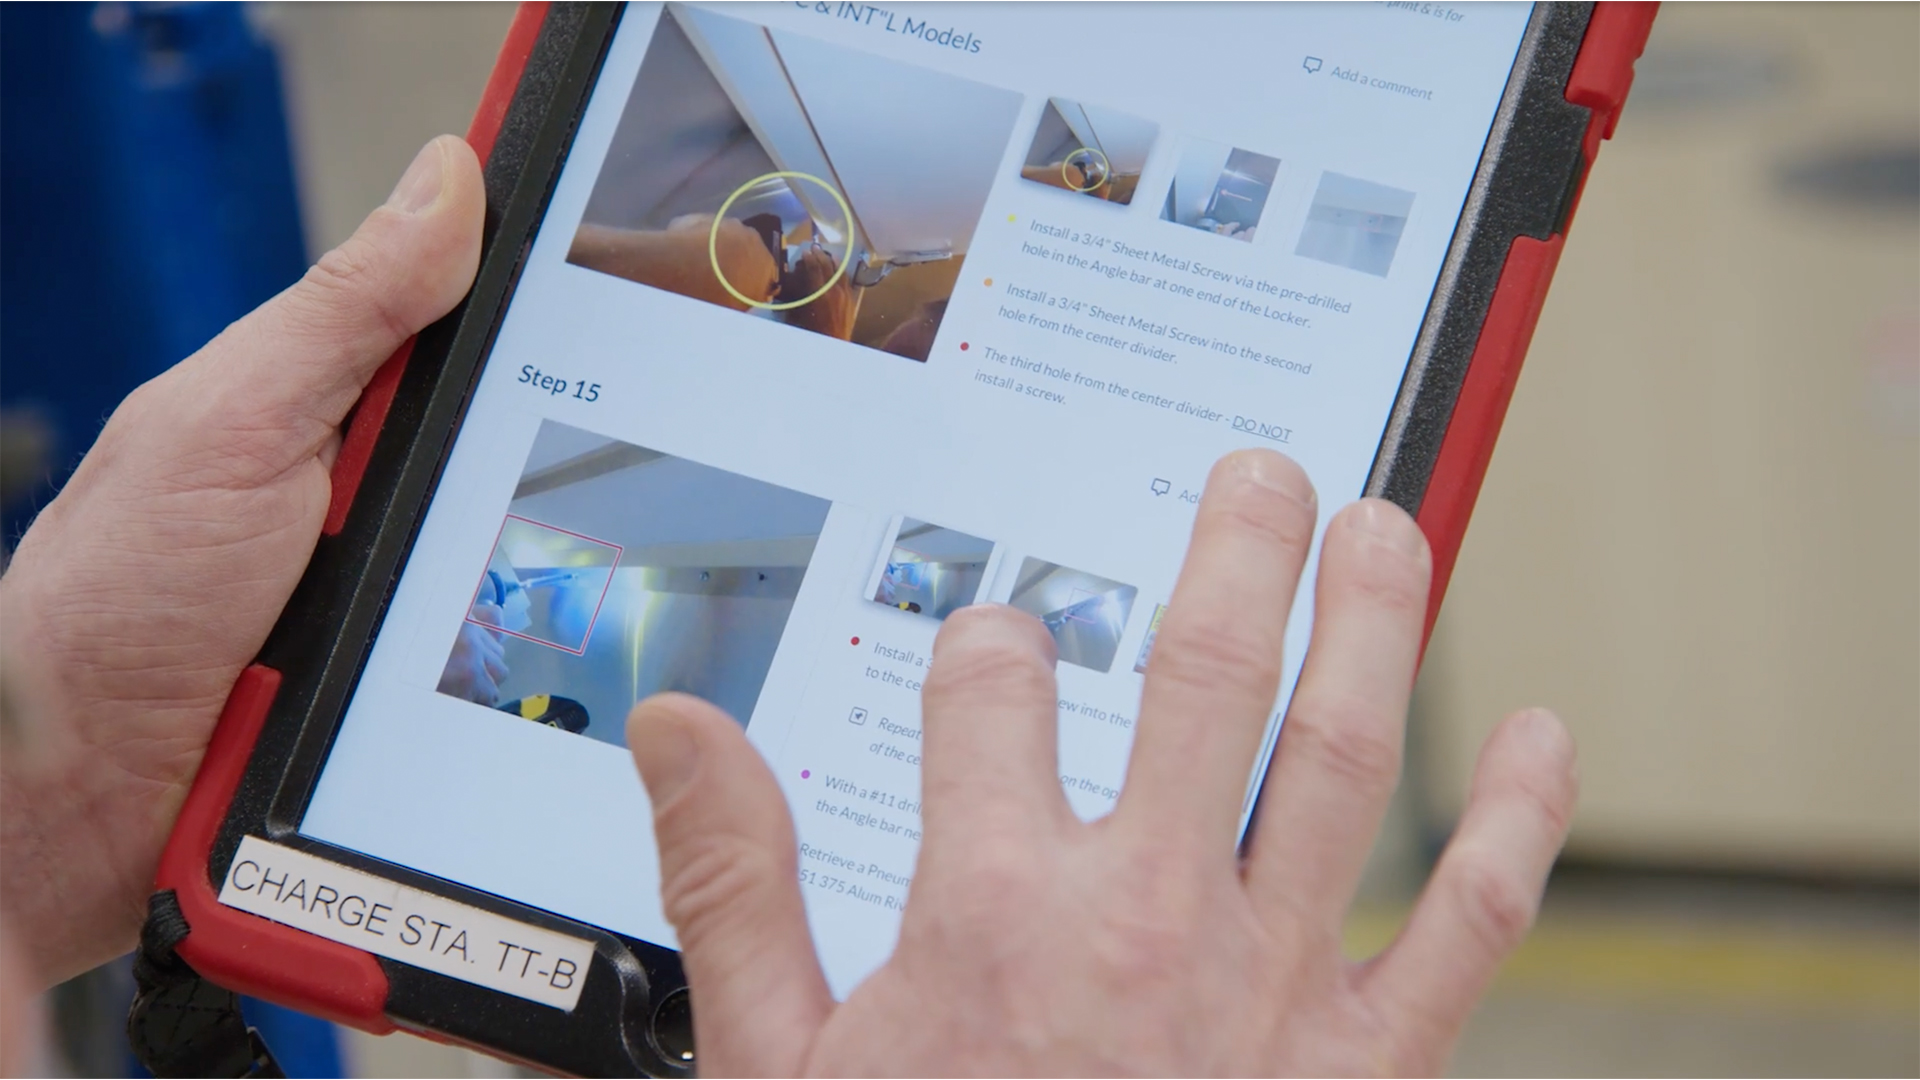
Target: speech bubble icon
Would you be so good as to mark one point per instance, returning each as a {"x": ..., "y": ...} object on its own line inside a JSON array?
[
  {"x": 1161, "y": 487},
  {"x": 1311, "y": 63}
]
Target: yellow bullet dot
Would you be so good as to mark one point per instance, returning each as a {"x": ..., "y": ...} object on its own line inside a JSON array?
[{"x": 1009, "y": 217}]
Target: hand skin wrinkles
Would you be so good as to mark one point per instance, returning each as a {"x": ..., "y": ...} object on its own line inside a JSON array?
[
  {"x": 154, "y": 577},
  {"x": 1146, "y": 941}
]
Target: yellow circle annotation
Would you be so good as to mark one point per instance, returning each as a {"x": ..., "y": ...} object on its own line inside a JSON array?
[
  {"x": 713, "y": 242},
  {"x": 1105, "y": 172}
]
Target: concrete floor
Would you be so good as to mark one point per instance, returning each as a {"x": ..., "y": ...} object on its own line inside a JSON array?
[
  {"x": 1630, "y": 977},
  {"x": 1626, "y": 976},
  {"x": 1670, "y": 982}
]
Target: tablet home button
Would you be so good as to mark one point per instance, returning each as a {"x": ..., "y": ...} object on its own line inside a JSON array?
[{"x": 673, "y": 1028}]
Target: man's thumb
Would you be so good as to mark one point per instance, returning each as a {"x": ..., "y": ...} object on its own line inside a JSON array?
[
  {"x": 729, "y": 880},
  {"x": 302, "y": 358}
]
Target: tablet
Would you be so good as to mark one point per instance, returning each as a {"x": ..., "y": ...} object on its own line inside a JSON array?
[{"x": 798, "y": 328}]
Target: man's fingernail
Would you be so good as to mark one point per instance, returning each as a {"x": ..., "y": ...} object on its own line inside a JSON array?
[
  {"x": 1545, "y": 731},
  {"x": 1388, "y": 524},
  {"x": 1277, "y": 473},
  {"x": 666, "y": 754},
  {"x": 422, "y": 182}
]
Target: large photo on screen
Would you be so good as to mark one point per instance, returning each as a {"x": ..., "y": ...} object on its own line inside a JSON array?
[
  {"x": 619, "y": 572},
  {"x": 795, "y": 180}
]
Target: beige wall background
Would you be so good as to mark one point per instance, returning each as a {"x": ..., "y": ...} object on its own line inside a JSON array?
[
  {"x": 367, "y": 86},
  {"x": 1700, "y": 535}
]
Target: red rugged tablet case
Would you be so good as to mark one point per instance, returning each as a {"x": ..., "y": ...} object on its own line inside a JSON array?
[
  {"x": 253, "y": 955},
  {"x": 244, "y": 952},
  {"x": 1602, "y": 75}
]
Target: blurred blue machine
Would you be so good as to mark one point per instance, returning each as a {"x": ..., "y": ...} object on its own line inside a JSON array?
[{"x": 146, "y": 201}]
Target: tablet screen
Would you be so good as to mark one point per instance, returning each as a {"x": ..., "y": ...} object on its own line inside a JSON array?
[{"x": 844, "y": 317}]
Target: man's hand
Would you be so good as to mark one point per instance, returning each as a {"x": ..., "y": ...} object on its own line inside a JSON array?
[
  {"x": 139, "y": 594},
  {"x": 833, "y": 311},
  {"x": 478, "y": 663},
  {"x": 1034, "y": 944},
  {"x": 680, "y": 258}
]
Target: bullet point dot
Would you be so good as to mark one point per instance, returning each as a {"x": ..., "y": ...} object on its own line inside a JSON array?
[
  {"x": 988, "y": 282},
  {"x": 855, "y": 641},
  {"x": 804, "y": 773},
  {"x": 963, "y": 346},
  {"x": 1009, "y": 217}
]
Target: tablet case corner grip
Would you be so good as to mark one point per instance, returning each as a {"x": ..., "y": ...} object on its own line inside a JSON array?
[
  {"x": 1482, "y": 404},
  {"x": 249, "y": 954},
  {"x": 1603, "y": 71},
  {"x": 370, "y": 413},
  {"x": 1602, "y": 74}
]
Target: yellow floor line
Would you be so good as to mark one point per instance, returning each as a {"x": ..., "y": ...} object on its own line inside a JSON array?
[{"x": 1727, "y": 964}]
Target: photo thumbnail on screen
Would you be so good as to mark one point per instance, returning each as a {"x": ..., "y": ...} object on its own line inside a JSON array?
[
  {"x": 1146, "y": 643},
  {"x": 1355, "y": 223},
  {"x": 795, "y": 180},
  {"x": 1089, "y": 150},
  {"x": 621, "y": 572},
  {"x": 1220, "y": 189},
  {"x": 1085, "y": 614},
  {"x": 929, "y": 570},
  {"x": 533, "y": 555}
]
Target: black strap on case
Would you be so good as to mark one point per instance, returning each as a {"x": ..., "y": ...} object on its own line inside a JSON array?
[{"x": 181, "y": 1024}]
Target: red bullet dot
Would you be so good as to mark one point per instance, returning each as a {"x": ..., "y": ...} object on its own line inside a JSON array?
[
  {"x": 963, "y": 346},
  {"x": 856, "y": 641}
]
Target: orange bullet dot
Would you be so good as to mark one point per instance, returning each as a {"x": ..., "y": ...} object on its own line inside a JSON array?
[{"x": 988, "y": 282}]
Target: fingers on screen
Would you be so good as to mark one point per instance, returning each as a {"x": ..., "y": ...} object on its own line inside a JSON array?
[
  {"x": 989, "y": 725},
  {"x": 729, "y": 880},
  {"x": 1486, "y": 890},
  {"x": 1215, "y": 668},
  {"x": 1338, "y": 757}
]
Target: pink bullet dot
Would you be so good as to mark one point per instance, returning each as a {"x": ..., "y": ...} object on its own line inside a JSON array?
[{"x": 804, "y": 773}]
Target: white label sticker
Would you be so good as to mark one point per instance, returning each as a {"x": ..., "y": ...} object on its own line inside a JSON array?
[{"x": 406, "y": 924}]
